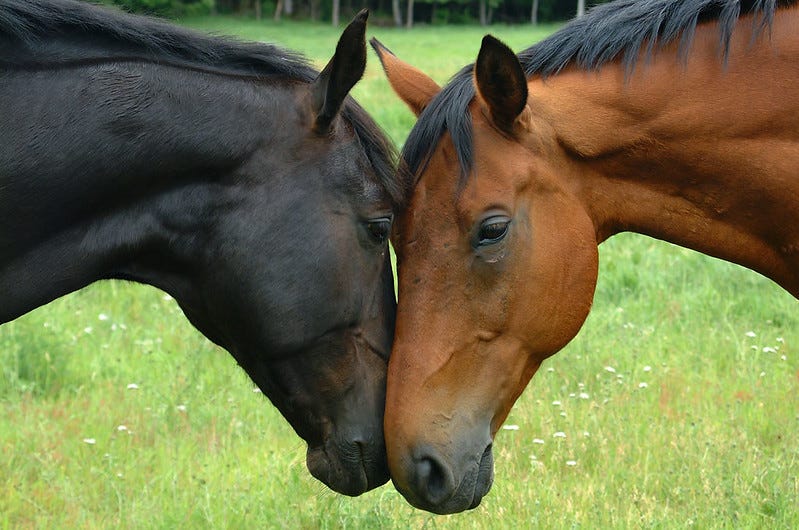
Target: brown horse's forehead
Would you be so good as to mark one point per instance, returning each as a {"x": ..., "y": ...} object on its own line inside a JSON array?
[
  {"x": 431, "y": 205},
  {"x": 444, "y": 205},
  {"x": 503, "y": 170}
]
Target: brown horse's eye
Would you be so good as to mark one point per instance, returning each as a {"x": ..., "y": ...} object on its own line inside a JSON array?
[
  {"x": 492, "y": 230},
  {"x": 379, "y": 229}
]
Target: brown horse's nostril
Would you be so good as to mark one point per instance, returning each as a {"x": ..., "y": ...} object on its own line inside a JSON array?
[
  {"x": 434, "y": 481},
  {"x": 429, "y": 480}
]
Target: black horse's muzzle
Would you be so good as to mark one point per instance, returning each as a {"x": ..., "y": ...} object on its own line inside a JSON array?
[{"x": 350, "y": 465}]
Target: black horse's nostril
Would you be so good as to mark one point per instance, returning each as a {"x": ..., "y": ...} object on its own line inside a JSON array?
[{"x": 434, "y": 481}]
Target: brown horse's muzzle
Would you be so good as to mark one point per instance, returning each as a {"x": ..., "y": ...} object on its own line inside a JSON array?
[
  {"x": 449, "y": 468},
  {"x": 443, "y": 486}
]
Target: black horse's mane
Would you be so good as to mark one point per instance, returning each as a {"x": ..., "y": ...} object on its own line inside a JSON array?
[
  {"x": 32, "y": 22},
  {"x": 111, "y": 33},
  {"x": 616, "y": 30}
]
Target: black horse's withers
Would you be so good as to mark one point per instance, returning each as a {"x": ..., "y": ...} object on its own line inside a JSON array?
[{"x": 232, "y": 176}]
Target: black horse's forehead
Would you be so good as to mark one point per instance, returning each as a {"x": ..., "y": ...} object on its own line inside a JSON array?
[
  {"x": 350, "y": 172},
  {"x": 380, "y": 153}
]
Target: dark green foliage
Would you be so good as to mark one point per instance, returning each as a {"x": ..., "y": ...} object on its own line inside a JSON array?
[{"x": 426, "y": 11}]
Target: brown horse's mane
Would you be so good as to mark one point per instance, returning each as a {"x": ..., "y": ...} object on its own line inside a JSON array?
[
  {"x": 608, "y": 32},
  {"x": 623, "y": 27}
]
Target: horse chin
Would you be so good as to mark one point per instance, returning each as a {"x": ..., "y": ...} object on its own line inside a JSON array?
[{"x": 348, "y": 476}]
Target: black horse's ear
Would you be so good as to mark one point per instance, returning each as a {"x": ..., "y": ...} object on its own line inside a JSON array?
[
  {"x": 501, "y": 82},
  {"x": 335, "y": 81}
]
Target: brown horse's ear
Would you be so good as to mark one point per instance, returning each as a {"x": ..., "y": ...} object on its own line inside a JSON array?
[
  {"x": 335, "y": 81},
  {"x": 501, "y": 82},
  {"x": 412, "y": 86}
]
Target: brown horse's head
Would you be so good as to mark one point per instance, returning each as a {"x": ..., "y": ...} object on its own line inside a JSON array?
[{"x": 497, "y": 267}]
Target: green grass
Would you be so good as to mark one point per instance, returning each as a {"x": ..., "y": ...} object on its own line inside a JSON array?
[{"x": 708, "y": 440}]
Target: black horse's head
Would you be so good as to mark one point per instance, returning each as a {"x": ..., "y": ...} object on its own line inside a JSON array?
[
  {"x": 231, "y": 175},
  {"x": 297, "y": 283}
]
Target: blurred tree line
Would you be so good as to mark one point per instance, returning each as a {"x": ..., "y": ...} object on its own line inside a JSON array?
[{"x": 394, "y": 12}]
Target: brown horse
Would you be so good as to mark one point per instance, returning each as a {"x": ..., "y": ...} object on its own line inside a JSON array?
[{"x": 675, "y": 119}]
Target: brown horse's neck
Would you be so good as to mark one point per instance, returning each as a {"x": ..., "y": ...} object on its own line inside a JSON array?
[{"x": 699, "y": 154}]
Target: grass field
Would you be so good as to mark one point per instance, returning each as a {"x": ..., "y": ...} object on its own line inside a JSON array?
[{"x": 677, "y": 405}]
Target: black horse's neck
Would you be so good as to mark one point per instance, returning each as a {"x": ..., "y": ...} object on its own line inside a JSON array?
[{"x": 116, "y": 170}]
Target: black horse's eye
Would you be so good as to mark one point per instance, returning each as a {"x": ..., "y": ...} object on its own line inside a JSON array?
[
  {"x": 492, "y": 230},
  {"x": 379, "y": 229}
]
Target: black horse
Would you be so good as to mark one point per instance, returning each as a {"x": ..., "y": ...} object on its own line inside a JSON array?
[{"x": 230, "y": 175}]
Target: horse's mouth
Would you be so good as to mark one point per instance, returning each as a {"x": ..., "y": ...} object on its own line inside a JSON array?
[
  {"x": 474, "y": 486},
  {"x": 485, "y": 477},
  {"x": 346, "y": 476}
]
